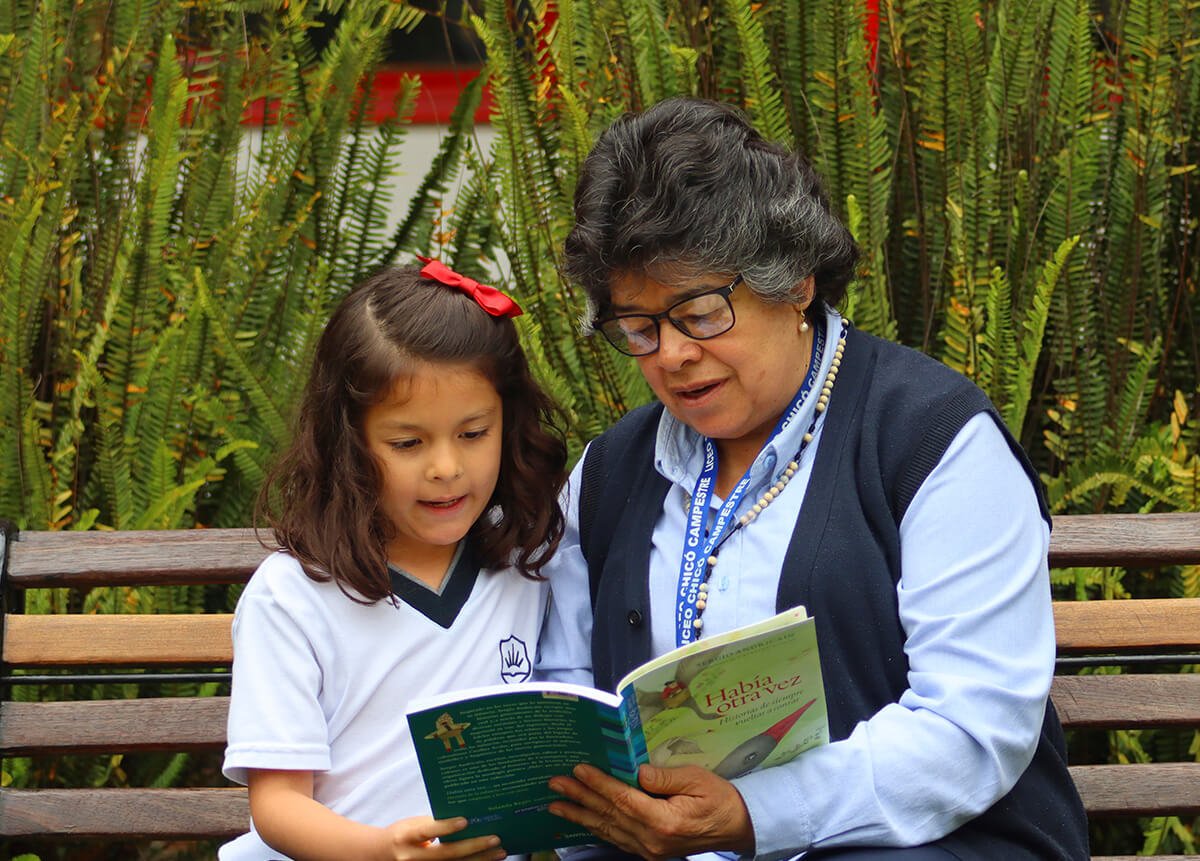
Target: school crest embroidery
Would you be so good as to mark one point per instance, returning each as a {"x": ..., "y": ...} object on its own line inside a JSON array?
[{"x": 514, "y": 660}]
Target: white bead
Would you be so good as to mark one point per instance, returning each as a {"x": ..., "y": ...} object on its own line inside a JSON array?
[
  {"x": 757, "y": 509},
  {"x": 703, "y": 587},
  {"x": 820, "y": 406},
  {"x": 701, "y": 604},
  {"x": 744, "y": 520},
  {"x": 789, "y": 472},
  {"x": 793, "y": 465},
  {"x": 712, "y": 561},
  {"x": 697, "y": 623}
]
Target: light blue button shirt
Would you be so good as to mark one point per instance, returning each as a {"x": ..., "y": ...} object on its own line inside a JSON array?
[{"x": 974, "y": 602}]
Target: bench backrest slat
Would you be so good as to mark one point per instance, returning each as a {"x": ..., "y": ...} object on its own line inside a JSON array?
[
  {"x": 1110, "y": 791},
  {"x": 49, "y": 559},
  {"x": 1127, "y": 701},
  {"x": 30, "y": 641},
  {"x": 111, "y": 726},
  {"x": 166, "y": 557},
  {"x": 149, "y": 640},
  {"x": 127, "y": 813},
  {"x": 1099, "y": 626},
  {"x": 191, "y": 723},
  {"x": 1126, "y": 540}
]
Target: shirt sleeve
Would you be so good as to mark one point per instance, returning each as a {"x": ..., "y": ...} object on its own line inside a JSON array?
[
  {"x": 275, "y": 715},
  {"x": 974, "y": 602},
  {"x": 564, "y": 649}
]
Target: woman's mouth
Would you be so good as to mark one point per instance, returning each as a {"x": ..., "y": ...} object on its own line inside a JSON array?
[{"x": 696, "y": 393}]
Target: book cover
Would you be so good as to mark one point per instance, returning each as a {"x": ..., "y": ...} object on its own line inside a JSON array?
[{"x": 745, "y": 699}]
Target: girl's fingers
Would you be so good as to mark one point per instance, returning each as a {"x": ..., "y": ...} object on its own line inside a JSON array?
[
  {"x": 493, "y": 854},
  {"x": 430, "y": 828},
  {"x": 472, "y": 849}
]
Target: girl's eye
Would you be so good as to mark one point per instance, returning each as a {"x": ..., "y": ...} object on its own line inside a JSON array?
[
  {"x": 404, "y": 444},
  {"x": 476, "y": 434}
]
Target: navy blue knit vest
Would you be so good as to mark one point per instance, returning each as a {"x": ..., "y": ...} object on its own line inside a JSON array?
[{"x": 893, "y": 414}]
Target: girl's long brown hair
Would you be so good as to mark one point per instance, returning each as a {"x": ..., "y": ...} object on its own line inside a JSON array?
[{"x": 322, "y": 497}]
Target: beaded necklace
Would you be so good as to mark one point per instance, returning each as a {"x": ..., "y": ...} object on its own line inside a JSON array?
[{"x": 777, "y": 488}]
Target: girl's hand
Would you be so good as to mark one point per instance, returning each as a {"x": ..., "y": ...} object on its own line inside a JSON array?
[
  {"x": 695, "y": 811},
  {"x": 289, "y": 820},
  {"x": 412, "y": 839}
]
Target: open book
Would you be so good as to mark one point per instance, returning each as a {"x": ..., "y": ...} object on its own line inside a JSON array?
[{"x": 734, "y": 702}]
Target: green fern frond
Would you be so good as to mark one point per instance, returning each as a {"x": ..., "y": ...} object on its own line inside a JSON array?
[
  {"x": 414, "y": 232},
  {"x": 654, "y": 65},
  {"x": 249, "y": 381},
  {"x": 1023, "y": 364}
]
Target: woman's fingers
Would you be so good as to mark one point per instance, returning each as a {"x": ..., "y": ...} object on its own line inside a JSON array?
[
  {"x": 609, "y": 808},
  {"x": 694, "y": 811}
]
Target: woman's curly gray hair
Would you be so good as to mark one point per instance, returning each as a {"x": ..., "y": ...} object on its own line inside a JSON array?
[{"x": 688, "y": 185}]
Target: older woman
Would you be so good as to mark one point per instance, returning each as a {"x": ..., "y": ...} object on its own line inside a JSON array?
[{"x": 835, "y": 470}]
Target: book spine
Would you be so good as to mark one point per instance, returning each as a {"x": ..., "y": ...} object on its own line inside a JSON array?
[{"x": 634, "y": 738}]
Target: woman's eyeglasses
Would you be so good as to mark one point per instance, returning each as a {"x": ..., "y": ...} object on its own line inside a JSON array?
[{"x": 701, "y": 317}]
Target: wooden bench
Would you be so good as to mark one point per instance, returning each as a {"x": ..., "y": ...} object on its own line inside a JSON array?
[{"x": 1129, "y": 633}]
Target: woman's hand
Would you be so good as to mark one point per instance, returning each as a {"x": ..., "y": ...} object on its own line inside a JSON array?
[
  {"x": 412, "y": 840},
  {"x": 696, "y": 811}
]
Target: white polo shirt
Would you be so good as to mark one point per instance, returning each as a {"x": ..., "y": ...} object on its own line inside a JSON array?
[{"x": 320, "y": 681}]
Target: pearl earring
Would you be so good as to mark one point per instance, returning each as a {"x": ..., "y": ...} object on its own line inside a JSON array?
[{"x": 803, "y": 322}]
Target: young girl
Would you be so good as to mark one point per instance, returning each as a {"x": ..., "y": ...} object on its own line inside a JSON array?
[{"x": 413, "y": 511}]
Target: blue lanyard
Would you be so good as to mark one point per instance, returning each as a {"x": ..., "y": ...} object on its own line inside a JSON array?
[{"x": 696, "y": 547}]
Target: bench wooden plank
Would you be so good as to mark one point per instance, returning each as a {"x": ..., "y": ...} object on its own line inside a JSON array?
[
  {"x": 1127, "y": 701},
  {"x": 149, "y": 640},
  {"x": 1107, "y": 626},
  {"x": 1141, "y": 789},
  {"x": 195, "y": 723},
  {"x": 162, "y": 557},
  {"x": 127, "y": 813},
  {"x": 1128, "y": 540},
  {"x": 1106, "y": 789},
  {"x": 49, "y": 559},
  {"x": 1082, "y": 626},
  {"x": 104, "y": 726}
]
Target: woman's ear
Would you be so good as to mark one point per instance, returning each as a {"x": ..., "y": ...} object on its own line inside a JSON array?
[{"x": 806, "y": 291}]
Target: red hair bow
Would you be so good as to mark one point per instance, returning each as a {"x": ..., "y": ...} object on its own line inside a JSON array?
[{"x": 488, "y": 298}]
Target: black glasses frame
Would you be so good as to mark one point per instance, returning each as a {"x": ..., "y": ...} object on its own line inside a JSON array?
[{"x": 621, "y": 343}]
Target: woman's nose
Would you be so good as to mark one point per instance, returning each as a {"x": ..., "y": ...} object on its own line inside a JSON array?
[{"x": 675, "y": 349}]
